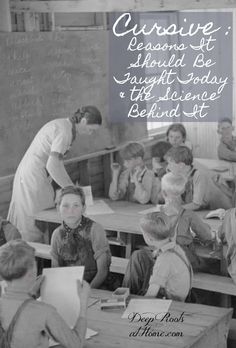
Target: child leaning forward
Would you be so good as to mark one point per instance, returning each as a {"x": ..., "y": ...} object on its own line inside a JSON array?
[
  {"x": 136, "y": 183},
  {"x": 164, "y": 272},
  {"x": 79, "y": 241}
]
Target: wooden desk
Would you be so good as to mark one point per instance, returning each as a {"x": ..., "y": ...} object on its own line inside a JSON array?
[
  {"x": 125, "y": 219},
  {"x": 214, "y": 164},
  {"x": 202, "y": 327}
]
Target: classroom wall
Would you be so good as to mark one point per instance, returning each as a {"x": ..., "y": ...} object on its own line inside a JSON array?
[{"x": 46, "y": 76}]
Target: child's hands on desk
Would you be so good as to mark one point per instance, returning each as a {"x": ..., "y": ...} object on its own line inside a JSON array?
[{"x": 136, "y": 176}]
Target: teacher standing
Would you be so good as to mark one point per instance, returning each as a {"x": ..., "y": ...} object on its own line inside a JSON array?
[{"x": 32, "y": 189}]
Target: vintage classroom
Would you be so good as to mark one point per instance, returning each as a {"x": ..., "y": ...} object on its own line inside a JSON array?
[{"x": 51, "y": 31}]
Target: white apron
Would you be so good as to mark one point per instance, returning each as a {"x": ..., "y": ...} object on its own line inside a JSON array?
[{"x": 32, "y": 190}]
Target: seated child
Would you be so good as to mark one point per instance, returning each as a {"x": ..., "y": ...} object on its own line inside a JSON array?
[
  {"x": 170, "y": 274},
  {"x": 36, "y": 320},
  {"x": 204, "y": 189},
  {"x": 136, "y": 183},
  {"x": 79, "y": 240},
  {"x": 158, "y": 152},
  {"x": 228, "y": 236},
  {"x": 8, "y": 231},
  {"x": 227, "y": 146},
  {"x": 176, "y": 135},
  {"x": 186, "y": 223},
  {"x": 159, "y": 165}
]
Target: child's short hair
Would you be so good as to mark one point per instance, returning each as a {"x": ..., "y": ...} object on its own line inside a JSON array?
[
  {"x": 160, "y": 149},
  {"x": 180, "y": 154},
  {"x": 75, "y": 190},
  {"x": 16, "y": 258},
  {"x": 177, "y": 127},
  {"x": 157, "y": 225},
  {"x": 132, "y": 150},
  {"x": 226, "y": 119},
  {"x": 173, "y": 185}
]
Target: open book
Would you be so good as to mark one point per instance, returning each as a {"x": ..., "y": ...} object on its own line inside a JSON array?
[{"x": 218, "y": 213}]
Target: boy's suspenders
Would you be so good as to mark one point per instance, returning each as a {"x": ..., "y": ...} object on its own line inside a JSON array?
[
  {"x": 182, "y": 210},
  {"x": 186, "y": 263},
  {"x": 189, "y": 186},
  {"x": 6, "y": 336}
]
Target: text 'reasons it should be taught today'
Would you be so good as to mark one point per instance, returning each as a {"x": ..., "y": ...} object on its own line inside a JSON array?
[{"x": 171, "y": 69}]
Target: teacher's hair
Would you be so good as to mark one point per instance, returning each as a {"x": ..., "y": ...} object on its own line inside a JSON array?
[{"x": 90, "y": 113}]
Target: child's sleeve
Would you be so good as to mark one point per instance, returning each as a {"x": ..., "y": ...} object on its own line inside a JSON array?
[
  {"x": 55, "y": 244},
  {"x": 120, "y": 191},
  {"x": 202, "y": 230},
  {"x": 100, "y": 243},
  {"x": 226, "y": 154},
  {"x": 200, "y": 186},
  {"x": 156, "y": 195},
  {"x": 143, "y": 190},
  {"x": 10, "y": 231}
]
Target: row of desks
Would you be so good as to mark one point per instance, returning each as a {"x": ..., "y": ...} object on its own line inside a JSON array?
[{"x": 125, "y": 218}]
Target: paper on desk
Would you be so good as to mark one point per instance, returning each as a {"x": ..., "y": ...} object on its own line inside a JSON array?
[
  {"x": 147, "y": 308},
  {"x": 88, "y": 195},
  {"x": 151, "y": 210},
  {"x": 89, "y": 333},
  {"x": 60, "y": 290},
  {"x": 98, "y": 208}
]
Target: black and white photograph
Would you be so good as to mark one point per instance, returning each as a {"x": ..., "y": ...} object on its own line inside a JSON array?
[{"x": 118, "y": 174}]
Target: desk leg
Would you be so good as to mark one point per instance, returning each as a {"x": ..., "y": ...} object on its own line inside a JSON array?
[
  {"x": 46, "y": 234},
  {"x": 225, "y": 300},
  {"x": 128, "y": 248}
]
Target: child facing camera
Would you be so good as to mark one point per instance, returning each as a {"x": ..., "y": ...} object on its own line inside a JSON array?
[
  {"x": 176, "y": 135},
  {"x": 79, "y": 241},
  {"x": 37, "y": 321},
  {"x": 168, "y": 275},
  {"x": 136, "y": 182}
]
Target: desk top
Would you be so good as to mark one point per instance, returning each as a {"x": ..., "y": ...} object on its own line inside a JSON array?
[
  {"x": 199, "y": 323},
  {"x": 125, "y": 218},
  {"x": 227, "y": 169}
]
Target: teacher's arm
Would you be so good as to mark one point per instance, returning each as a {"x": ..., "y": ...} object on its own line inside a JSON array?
[
  {"x": 55, "y": 166},
  {"x": 57, "y": 171}
]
